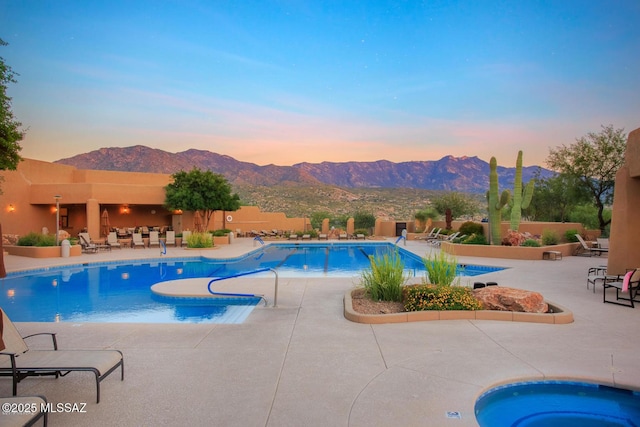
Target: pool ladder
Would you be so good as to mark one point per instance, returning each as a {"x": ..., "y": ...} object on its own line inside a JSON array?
[{"x": 246, "y": 273}]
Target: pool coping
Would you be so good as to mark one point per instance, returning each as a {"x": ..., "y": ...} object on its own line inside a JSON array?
[{"x": 560, "y": 315}]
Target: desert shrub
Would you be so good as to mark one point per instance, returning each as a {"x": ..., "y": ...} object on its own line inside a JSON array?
[
  {"x": 470, "y": 228},
  {"x": 200, "y": 240},
  {"x": 549, "y": 237},
  {"x": 361, "y": 231},
  {"x": 37, "y": 239},
  {"x": 514, "y": 238},
  {"x": 434, "y": 297},
  {"x": 220, "y": 233},
  {"x": 441, "y": 268},
  {"x": 384, "y": 280},
  {"x": 570, "y": 236},
  {"x": 532, "y": 243},
  {"x": 475, "y": 239}
]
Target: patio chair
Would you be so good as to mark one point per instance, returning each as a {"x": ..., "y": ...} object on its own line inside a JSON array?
[
  {"x": 154, "y": 238},
  {"x": 19, "y": 362},
  {"x": 306, "y": 237},
  {"x": 36, "y": 405},
  {"x": 430, "y": 235},
  {"x": 170, "y": 238},
  {"x": 112, "y": 240},
  {"x": 185, "y": 237},
  {"x": 586, "y": 250},
  {"x": 137, "y": 241},
  {"x": 629, "y": 283},
  {"x": 599, "y": 274},
  {"x": 449, "y": 238},
  {"x": 85, "y": 243}
]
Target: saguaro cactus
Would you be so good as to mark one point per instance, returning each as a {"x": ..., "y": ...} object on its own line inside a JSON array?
[
  {"x": 496, "y": 203},
  {"x": 521, "y": 199}
]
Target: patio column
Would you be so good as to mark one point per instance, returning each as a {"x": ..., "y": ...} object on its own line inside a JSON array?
[{"x": 93, "y": 218}]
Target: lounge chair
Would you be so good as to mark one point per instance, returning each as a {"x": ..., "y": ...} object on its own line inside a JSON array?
[
  {"x": 306, "y": 237},
  {"x": 154, "y": 238},
  {"x": 170, "y": 239},
  {"x": 586, "y": 250},
  {"x": 430, "y": 235},
  {"x": 112, "y": 240},
  {"x": 19, "y": 362},
  {"x": 435, "y": 236},
  {"x": 86, "y": 245},
  {"x": 360, "y": 237},
  {"x": 449, "y": 238},
  {"x": 293, "y": 236},
  {"x": 36, "y": 411},
  {"x": 630, "y": 283},
  {"x": 185, "y": 237},
  {"x": 323, "y": 236},
  {"x": 343, "y": 236},
  {"x": 599, "y": 274},
  {"x": 137, "y": 241}
]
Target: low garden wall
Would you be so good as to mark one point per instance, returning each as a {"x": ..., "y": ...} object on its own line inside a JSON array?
[
  {"x": 507, "y": 252},
  {"x": 42, "y": 251}
]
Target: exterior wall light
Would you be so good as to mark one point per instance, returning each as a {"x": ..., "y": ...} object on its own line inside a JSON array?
[{"x": 11, "y": 208}]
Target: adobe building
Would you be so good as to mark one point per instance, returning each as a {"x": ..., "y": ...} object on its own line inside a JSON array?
[
  {"x": 625, "y": 219},
  {"x": 31, "y": 193}
]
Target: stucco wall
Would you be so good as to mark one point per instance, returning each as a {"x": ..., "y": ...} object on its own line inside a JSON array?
[{"x": 625, "y": 218}]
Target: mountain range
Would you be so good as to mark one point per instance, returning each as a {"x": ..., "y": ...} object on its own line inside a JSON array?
[{"x": 462, "y": 174}]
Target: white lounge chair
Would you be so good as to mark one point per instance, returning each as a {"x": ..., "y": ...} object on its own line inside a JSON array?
[
  {"x": 19, "y": 362},
  {"x": 170, "y": 239},
  {"x": 137, "y": 241},
  {"x": 185, "y": 237},
  {"x": 86, "y": 245},
  {"x": 112, "y": 240},
  {"x": 154, "y": 239}
]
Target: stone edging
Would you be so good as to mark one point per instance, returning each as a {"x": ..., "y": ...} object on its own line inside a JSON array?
[{"x": 560, "y": 315}]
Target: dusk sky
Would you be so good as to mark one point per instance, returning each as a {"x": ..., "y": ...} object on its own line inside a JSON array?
[{"x": 291, "y": 81}]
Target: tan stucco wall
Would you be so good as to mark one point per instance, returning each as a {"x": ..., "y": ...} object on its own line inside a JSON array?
[{"x": 625, "y": 218}]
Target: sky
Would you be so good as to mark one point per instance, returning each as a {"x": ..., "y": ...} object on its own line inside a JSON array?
[{"x": 284, "y": 82}]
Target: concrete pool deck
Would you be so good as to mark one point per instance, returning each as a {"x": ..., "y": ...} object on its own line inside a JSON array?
[{"x": 303, "y": 363}]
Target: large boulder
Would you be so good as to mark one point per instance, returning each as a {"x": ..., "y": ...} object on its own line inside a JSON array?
[{"x": 510, "y": 299}]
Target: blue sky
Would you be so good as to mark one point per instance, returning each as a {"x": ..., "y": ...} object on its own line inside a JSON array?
[{"x": 290, "y": 81}]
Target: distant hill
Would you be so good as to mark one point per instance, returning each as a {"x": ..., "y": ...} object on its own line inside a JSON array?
[{"x": 463, "y": 174}]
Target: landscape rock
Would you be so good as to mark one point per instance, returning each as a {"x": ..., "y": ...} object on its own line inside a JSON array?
[{"x": 510, "y": 299}]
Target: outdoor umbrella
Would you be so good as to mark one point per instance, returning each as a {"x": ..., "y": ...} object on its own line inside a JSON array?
[{"x": 105, "y": 223}]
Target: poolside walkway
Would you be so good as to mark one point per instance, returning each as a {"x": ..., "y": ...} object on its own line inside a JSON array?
[{"x": 304, "y": 364}]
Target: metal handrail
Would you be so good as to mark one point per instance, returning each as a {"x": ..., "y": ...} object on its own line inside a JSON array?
[{"x": 246, "y": 273}]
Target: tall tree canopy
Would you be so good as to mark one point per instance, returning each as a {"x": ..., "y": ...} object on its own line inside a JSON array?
[
  {"x": 593, "y": 160},
  {"x": 10, "y": 134},
  {"x": 200, "y": 191}
]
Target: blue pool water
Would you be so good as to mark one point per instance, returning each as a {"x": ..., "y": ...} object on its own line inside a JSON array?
[
  {"x": 120, "y": 291},
  {"x": 558, "y": 404}
]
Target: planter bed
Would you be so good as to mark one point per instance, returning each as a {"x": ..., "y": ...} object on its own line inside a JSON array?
[{"x": 560, "y": 315}]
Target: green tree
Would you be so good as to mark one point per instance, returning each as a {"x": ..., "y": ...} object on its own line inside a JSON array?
[
  {"x": 317, "y": 218},
  {"x": 10, "y": 134},
  {"x": 423, "y": 215},
  {"x": 593, "y": 160},
  {"x": 459, "y": 203},
  {"x": 555, "y": 197},
  {"x": 364, "y": 220},
  {"x": 200, "y": 191}
]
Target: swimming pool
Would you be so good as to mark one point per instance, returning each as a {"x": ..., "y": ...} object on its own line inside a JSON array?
[
  {"x": 120, "y": 291},
  {"x": 558, "y": 404}
]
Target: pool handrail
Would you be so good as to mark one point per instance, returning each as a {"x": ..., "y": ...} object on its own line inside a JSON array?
[{"x": 246, "y": 273}]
